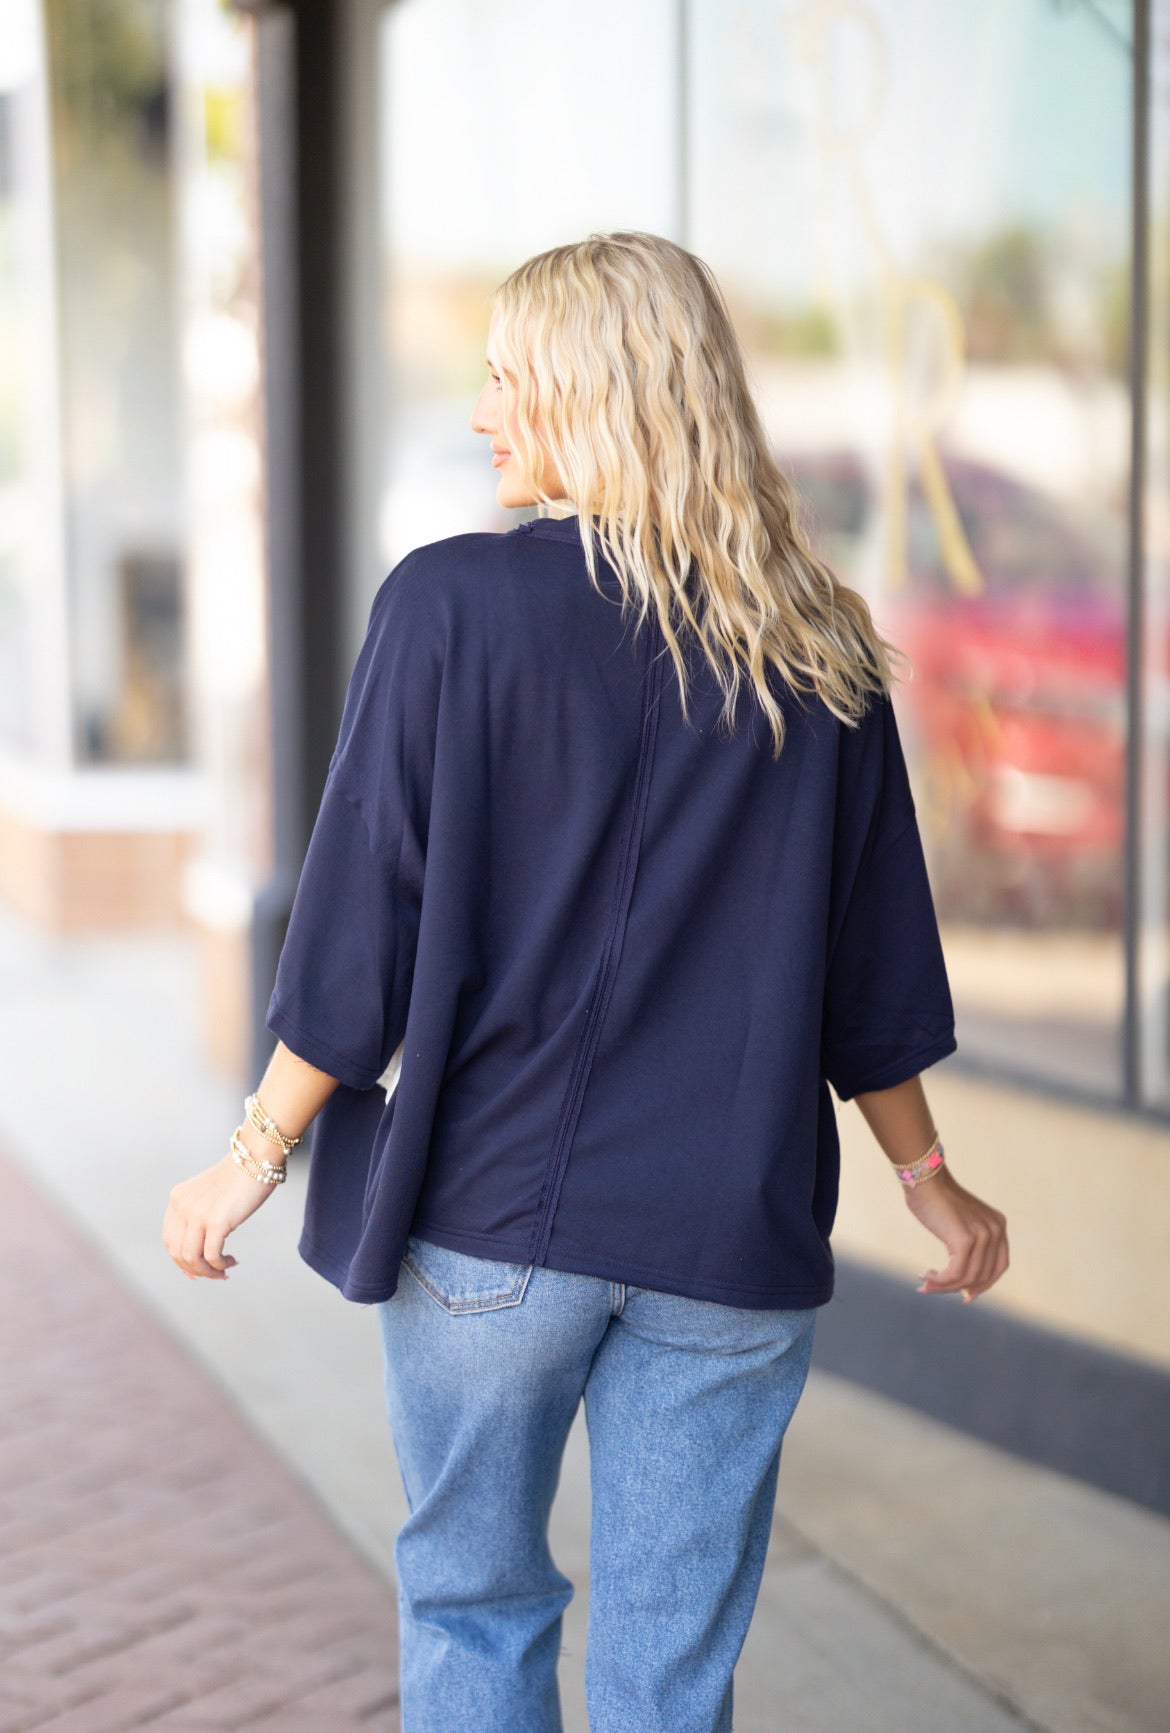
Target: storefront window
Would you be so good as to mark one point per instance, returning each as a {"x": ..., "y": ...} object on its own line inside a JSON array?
[
  {"x": 214, "y": 170},
  {"x": 30, "y": 541},
  {"x": 14, "y": 314},
  {"x": 506, "y": 130},
  {"x": 111, "y": 113},
  {"x": 921, "y": 211}
]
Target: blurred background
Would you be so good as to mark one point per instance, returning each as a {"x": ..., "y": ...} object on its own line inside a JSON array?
[{"x": 245, "y": 255}]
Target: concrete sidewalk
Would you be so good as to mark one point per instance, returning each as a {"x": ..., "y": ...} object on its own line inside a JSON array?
[{"x": 918, "y": 1582}]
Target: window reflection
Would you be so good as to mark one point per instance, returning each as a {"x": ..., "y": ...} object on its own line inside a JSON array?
[
  {"x": 941, "y": 342},
  {"x": 525, "y": 148},
  {"x": 115, "y": 247},
  {"x": 920, "y": 211},
  {"x": 25, "y": 495}
]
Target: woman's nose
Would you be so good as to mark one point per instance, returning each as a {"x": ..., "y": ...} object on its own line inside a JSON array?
[{"x": 479, "y": 423}]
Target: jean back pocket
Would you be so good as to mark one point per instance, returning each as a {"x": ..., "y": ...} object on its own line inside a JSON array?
[{"x": 461, "y": 1283}]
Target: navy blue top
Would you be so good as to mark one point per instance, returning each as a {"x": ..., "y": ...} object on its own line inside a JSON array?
[{"x": 626, "y": 954}]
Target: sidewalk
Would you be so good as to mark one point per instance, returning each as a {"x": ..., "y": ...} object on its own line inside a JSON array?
[
  {"x": 161, "y": 1568},
  {"x": 918, "y": 1581}
]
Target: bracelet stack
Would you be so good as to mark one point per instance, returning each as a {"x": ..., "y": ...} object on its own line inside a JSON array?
[
  {"x": 256, "y": 1166},
  {"x": 268, "y": 1127},
  {"x": 915, "y": 1172}
]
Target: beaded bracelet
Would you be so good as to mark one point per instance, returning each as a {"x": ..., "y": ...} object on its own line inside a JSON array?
[
  {"x": 917, "y": 1172},
  {"x": 255, "y": 1166},
  {"x": 266, "y": 1126}
]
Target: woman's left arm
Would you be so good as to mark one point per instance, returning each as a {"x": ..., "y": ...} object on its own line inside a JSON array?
[
  {"x": 202, "y": 1211},
  {"x": 973, "y": 1232}
]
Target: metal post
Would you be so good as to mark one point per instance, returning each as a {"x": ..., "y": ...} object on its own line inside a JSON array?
[{"x": 1135, "y": 638}]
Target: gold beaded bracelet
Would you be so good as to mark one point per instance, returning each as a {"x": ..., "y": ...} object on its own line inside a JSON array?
[
  {"x": 918, "y": 1172},
  {"x": 268, "y": 1127},
  {"x": 255, "y": 1166}
]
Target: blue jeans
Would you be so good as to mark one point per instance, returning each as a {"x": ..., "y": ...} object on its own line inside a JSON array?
[{"x": 686, "y": 1404}]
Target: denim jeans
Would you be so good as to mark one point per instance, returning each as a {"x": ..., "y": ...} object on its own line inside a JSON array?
[{"x": 686, "y": 1405}]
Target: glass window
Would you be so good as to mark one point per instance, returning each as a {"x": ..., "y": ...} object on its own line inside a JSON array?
[
  {"x": 920, "y": 210},
  {"x": 30, "y": 542},
  {"x": 121, "y": 407},
  {"x": 215, "y": 192},
  {"x": 506, "y": 129}
]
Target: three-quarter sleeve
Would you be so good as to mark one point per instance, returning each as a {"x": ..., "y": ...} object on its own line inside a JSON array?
[
  {"x": 343, "y": 978},
  {"x": 888, "y": 1012}
]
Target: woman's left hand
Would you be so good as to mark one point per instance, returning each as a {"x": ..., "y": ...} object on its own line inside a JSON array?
[
  {"x": 973, "y": 1232},
  {"x": 203, "y": 1211}
]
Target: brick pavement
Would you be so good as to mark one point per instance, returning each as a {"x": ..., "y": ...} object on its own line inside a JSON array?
[{"x": 159, "y": 1566}]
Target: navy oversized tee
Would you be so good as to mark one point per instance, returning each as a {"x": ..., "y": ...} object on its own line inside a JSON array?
[{"x": 619, "y": 956}]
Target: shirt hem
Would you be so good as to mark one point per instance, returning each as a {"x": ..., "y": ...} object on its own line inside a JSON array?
[
  {"x": 622, "y": 1270},
  {"x": 901, "y": 1070},
  {"x": 361, "y": 1293}
]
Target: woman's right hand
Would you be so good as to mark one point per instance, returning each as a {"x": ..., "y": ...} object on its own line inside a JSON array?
[
  {"x": 203, "y": 1211},
  {"x": 974, "y": 1233}
]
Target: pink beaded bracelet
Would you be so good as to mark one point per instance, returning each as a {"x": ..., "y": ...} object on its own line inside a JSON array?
[{"x": 916, "y": 1172}]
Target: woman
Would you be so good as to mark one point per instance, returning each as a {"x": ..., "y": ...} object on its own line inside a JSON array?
[{"x": 616, "y": 870}]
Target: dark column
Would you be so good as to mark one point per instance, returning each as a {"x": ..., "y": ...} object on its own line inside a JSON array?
[{"x": 317, "y": 107}]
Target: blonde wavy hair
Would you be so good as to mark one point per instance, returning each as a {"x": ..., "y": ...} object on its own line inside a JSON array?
[{"x": 618, "y": 354}]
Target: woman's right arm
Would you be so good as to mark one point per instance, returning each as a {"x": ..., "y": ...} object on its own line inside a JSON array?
[{"x": 203, "y": 1210}]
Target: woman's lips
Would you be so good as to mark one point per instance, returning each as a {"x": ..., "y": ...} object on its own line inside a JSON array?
[{"x": 499, "y": 458}]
